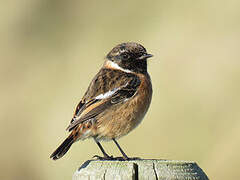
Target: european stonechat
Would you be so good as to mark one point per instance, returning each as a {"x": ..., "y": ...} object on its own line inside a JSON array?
[{"x": 115, "y": 102}]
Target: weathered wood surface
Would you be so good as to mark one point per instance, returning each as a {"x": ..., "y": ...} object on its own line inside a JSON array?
[{"x": 144, "y": 169}]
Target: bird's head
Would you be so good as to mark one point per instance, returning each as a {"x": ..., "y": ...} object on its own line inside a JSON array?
[{"x": 129, "y": 56}]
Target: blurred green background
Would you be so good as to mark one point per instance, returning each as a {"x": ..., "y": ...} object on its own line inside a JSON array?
[{"x": 50, "y": 50}]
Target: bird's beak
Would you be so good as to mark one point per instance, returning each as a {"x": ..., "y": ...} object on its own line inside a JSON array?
[{"x": 145, "y": 56}]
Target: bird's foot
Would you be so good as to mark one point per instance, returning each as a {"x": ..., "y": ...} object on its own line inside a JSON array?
[
  {"x": 133, "y": 158},
  {"x": 104, "y": 157},
  {"x": 116, "y": 158}
]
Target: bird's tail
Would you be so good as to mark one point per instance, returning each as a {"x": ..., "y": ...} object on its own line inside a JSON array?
[{"x": 63, "y": 148}]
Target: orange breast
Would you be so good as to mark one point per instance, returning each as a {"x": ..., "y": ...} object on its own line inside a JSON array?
[{"x": 124, "y": 117}]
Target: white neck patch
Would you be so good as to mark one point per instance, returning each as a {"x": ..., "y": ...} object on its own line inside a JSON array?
[{"x": 114, "y": 65}]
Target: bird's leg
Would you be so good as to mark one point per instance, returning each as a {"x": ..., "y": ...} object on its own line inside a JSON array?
[
  {"x": 125, "y": 157},
  {"x": 105, "y": 155}
]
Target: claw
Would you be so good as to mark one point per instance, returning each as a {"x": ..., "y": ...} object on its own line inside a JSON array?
[
  {"x": 133, "y": 158},
  {"x": 103, "y": 158},
  {"x": 127, "y": 158},
  {"x": 115, "y": 158}
]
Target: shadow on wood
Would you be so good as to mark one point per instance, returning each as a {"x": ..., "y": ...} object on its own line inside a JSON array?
[{"x": 142, "y": 169}]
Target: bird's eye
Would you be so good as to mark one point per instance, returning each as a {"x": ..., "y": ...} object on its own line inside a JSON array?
[{"x": 125, "y": 56}]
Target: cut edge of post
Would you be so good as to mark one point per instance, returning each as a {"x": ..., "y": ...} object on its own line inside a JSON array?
[{"x": 140, "y": 169}]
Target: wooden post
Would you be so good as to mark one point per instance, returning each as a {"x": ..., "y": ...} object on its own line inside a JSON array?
[{"x": 143, "y": 169}]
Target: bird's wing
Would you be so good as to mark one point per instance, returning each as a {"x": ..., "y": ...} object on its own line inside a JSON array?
[{"x": 105, "y": 90}]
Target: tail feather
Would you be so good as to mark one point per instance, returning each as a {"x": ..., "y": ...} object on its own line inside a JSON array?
[{"x": 63, "y": 148}]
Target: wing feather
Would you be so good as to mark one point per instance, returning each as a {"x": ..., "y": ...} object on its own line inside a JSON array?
[{"x": 96, "y": 104}]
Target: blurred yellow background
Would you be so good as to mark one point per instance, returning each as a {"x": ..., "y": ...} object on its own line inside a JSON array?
[{"x": 50, "y": 51}]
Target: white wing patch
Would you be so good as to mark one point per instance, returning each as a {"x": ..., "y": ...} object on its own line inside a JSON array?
[{"x": 107, "y": 94}]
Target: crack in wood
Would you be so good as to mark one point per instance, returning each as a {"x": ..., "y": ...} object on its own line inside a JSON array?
[
  {"x": 135, "y": 167},
  {"x": 104, "y": 175},
  {"x": 155, "y": 172}
]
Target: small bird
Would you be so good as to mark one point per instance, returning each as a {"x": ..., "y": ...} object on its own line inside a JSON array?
[{"x": 115, "y": 102}]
